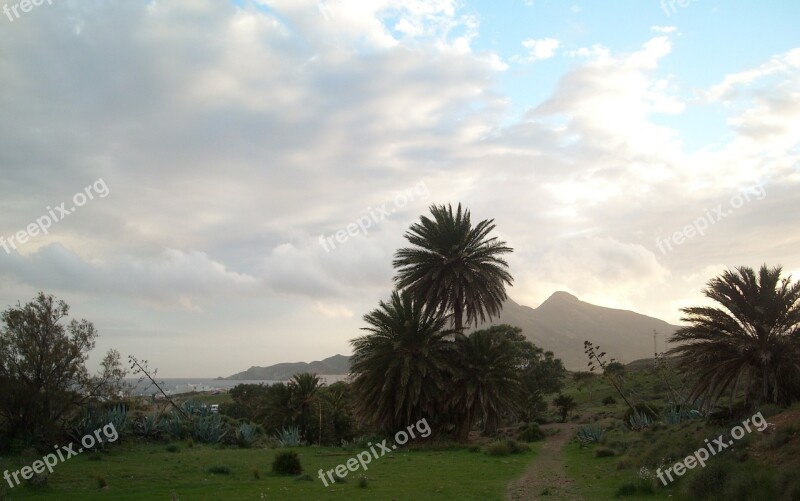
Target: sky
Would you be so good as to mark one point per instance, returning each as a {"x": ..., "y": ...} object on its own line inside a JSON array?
[{"x": 217, "y": 185}]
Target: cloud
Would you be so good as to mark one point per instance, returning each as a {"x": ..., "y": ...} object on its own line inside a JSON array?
[
  {"x": 538, "y": 50},
  {"x": 233, "y": 135}
]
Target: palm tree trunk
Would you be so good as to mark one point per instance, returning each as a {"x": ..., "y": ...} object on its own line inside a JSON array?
[{"x": 457, "y": 314}]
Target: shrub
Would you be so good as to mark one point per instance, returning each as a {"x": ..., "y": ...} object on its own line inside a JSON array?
[
  {"x": 220, "y": 469},
  {"x": 531, "y": 433},
  {"x": 748, "y": 484},
  {"x": 626, "y": 490},
  {"x": 287, "y": 463},
  {"x": 363, "y": 481},
  {"x": 515, "y": 447},
  {"x": 172, "y": 448},
  {"x": 497, "y": 449},
  {"x": 38, "y": 480},
  {"x": 609, "y": 400},
  {"x": 707, "y": 482},
  {"x": 604, "y": 452}
]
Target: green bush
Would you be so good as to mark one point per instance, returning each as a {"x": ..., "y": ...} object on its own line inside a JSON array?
[
  {"x": 38, "y": 480},
  {"x": 220, "y": 469},
  {"x": 497, "y": 449},
  {"x": 748, "y": 484},
  {"x": 172, "y": 448},
  {"x": 604, "y": 452},
  {"x": 363, "y": 482},
  {"x": 709, "y": 481},
  {"x": 531, "y": 433},
  {"x": 626, "y": 490},
  {"x": 287, "y": 463}
]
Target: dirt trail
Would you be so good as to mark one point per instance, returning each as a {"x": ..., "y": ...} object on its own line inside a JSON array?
[{"x": 546, "y": 477}]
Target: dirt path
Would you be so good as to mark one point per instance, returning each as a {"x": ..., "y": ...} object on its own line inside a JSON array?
[{"x": 546, "y": 477}]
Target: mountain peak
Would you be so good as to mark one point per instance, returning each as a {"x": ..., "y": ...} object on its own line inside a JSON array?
[{"x": 563, "y": 296}]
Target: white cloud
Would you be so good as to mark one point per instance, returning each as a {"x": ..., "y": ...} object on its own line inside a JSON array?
[
  {"x": 538, "y": 50},
  {"x": 232, "y": 137}
]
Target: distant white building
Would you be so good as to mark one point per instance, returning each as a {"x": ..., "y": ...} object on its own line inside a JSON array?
[
  {"x": 190, "y": 387},
  {"x": 329, "y": 379}
]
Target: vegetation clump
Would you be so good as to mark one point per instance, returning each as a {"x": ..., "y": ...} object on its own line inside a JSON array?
[{"x": 287, "y": 463}]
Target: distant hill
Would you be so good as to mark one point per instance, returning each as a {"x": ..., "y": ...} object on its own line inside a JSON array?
[
  {"x": 337, "y": 364},
  {"x": 561, "y": 324}
]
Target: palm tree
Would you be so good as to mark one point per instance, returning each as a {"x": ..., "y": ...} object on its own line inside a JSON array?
[
  {"x": 750, "y": 341},
  {"x": 454, "y": 266},
  {"x": 402, "y": 367},
  {"x": 565, "y": 405},
  {"x": 489, "y": 383},
  {"x": 304, "y": 388}
]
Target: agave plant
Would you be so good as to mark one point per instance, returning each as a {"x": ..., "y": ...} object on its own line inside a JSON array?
[
  {"x": 590, "y": 434},
  {"x": 639, "y": 421},
  {"x": 209, "y": 429},
  {"x": 94, "y": 418},
  {"x": 173, "y": 425},
  {"x": 676, "y": 415},
  {"x": 118, "y": 416},
  {"x": 148, "y": 426},
  {"x": 246, "y": 434},
  {"x": 289, "y": 437}
]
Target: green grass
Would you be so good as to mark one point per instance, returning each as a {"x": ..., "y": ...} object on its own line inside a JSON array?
[
  {"x": 599, "y": 478},
  {"x": 148, "y": 471}
]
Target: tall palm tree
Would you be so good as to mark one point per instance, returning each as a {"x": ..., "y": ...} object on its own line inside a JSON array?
[
  {"x": 750, "y": 341},
  {"x": 402, "y": 367},
  {"x": 454, "y": 266},
  {"x": 489, "y": 381}
]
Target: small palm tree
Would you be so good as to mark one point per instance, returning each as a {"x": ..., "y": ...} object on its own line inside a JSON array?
[
  {"x": 750, "y": 341},
  {"x": 489, "y": 382},
  {"x": 402, "y": 369},
  {"x": 565, "y": 404},
  {"x": 454, "y": 266},
  {"x": 304, "y": 388}
]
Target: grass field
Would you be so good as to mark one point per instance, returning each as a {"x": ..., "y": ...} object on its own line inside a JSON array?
[{"x": 149, "y": 471}]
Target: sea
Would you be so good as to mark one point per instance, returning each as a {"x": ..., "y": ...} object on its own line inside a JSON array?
[{"x": 170, "y": 385}]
